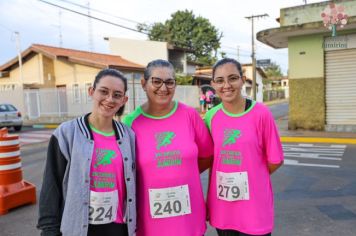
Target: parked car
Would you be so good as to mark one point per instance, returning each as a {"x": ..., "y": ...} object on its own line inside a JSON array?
[{"x": 10, "y": 117}]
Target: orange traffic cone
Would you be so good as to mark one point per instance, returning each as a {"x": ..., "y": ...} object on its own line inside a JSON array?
[{"x": 14, "y": 191}]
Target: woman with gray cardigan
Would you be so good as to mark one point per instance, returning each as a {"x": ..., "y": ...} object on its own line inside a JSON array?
[{"x": 88, "y": 186}]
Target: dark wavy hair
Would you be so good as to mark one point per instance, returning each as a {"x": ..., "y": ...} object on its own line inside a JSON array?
[
  {"x": 226, "y": 61},
  {"x": 113, "y": 73}
]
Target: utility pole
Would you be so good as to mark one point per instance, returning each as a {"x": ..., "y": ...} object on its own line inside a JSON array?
[
  {"x": 238, "y": 53},
  {"x": 18, "y": 48},
  {"x": 60, "y": 29},
  {"x": 90, "y": 29},
  {"x": 252, "y": 17}
]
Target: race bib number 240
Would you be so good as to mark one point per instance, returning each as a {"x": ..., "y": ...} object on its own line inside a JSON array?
[{"x": 169, "y": 202}]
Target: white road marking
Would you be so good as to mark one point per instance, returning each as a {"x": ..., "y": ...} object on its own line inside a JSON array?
[{"x": 324, "y": 154}]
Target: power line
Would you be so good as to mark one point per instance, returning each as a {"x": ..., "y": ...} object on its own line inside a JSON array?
[
  {"x": 102, "y": 12},
  {"x": 8, "y": 29},
  {"x": 234, "y": 48},
  {"x": 93, "y": 17},
  {"x": 234, "y": 53}
]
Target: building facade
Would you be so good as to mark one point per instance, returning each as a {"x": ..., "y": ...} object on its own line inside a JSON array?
[
  {"x": 70, "y": 72},
  {"x": 144, "y": 51},
  {"x": 322, "y": 82}
]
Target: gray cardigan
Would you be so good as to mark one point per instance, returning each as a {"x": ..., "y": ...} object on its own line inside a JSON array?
[{"x": 65, "y": 193}]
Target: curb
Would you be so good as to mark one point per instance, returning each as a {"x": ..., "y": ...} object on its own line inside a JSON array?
[
  {"x": 52, "y": 126},
  {"x": 284, "y": 139},
  {"x": 275, "y": 102},
  {"x": 318, "y": 140}
]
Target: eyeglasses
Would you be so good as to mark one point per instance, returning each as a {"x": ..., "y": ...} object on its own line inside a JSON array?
[
  {"x": 232, "y": 80},
  {"x": 117, "y": 96},
  {"x": 158, "y": 82}
]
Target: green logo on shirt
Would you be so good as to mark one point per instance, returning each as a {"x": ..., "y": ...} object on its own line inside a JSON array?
[
  {"x": 103, "y": 157},
  {"x": 230, "y": 136},
  {"x": 163, "y": 139},
  {"x": 230, "y": 157}
]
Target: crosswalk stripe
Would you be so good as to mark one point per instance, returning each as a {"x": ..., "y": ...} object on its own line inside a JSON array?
[
  {"x": 296, "y": 163},
  {"x": 296, "y": 149},
  {"x": 311, "y": 156},
  {"x": 338, "y": 146},
  {"x": 31, "y": 140},
  {"x": 311, "y": 145},
  {"x": 310, "y": 152},
  {"x": 36, "y": 135}
]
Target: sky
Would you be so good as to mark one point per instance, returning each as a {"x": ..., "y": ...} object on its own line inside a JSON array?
[{"x": 41, "y": 23}]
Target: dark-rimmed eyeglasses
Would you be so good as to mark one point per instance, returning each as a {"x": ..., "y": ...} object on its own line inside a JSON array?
[
  {"x": 232, "y": 80},
  {"x": 158, "y": 82},
  {"x": 116, "y": 95}
]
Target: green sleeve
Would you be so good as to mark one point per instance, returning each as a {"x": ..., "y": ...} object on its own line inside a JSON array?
[
  {"x": 129, "y": 118},
  {"x": 210, "y": 114}
]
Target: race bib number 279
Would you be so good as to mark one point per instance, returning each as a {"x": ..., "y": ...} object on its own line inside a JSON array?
[
  {"x": 232, "y": 186},
  {"x": 169, "y": 202}
]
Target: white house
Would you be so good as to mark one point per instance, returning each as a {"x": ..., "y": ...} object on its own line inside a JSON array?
[{"x": 144, "y": 51}]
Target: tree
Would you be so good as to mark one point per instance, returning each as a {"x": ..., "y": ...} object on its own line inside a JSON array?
[
  {"x": 184, "y": 80},
  {"x": 185, "y": 30},
  {"x": 273, "y": 71}
]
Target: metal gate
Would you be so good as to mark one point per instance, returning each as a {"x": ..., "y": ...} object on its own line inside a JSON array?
[
  {"x": 340, "y": 73},
  {"x": 32, "y": 103}
]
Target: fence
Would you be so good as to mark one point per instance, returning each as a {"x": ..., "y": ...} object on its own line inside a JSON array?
[
  {"x": 59, "y": 104},
  {"x": 274, "y": 94}
]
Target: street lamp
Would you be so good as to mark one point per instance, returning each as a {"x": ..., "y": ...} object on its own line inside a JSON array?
[{"x": 18, "y": 48}]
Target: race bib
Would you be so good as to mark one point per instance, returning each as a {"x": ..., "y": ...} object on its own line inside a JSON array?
[
  {"x": 232, "y": 186},
  {"x": 103, "y": 207},
  {"x": 169, "y": 202}
]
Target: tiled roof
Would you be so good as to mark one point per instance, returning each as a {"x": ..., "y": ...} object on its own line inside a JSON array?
[{"x": 95, "y": 59}]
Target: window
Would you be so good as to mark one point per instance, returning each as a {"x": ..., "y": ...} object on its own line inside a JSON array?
[
  {"x": 137, "y": 76},
  {"x": 76, "y": 93},
  {"x": 6, "y": 107},
  {"x": 87, "y": 97},
  {"x": 7, "y": 87},
  {"x": 128, "y": 76}
]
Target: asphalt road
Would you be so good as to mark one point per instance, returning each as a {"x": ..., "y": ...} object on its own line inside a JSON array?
[
  {"x": 316, "y": 197},
  {"x": 21, "y": 221},
  {"x": 315, "y": 191},
  {"x": 309, "y": 200},
  {"x": 279, "y": 110}
]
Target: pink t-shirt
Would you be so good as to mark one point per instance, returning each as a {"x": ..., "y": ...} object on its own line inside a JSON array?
[
  {"x": 244, "y": 144},
  {"x": 209, "y": 93},
  {"x": 167, "y": 151},
  {"x": 107, "y": 170}
]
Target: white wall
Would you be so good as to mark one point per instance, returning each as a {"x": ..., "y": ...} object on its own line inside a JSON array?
[
  {"x": 259, "y": 85},
  {"x": 42, "y": 103},
  {"x": 311, "y": 13},
  {"x": 138, "y": 51},
  {"x": 14, "y": 97}
]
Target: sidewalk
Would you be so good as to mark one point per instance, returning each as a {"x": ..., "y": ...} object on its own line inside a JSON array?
[
  {"x": 292, "y": 136},
  {"x": 307, "y": 136}
]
